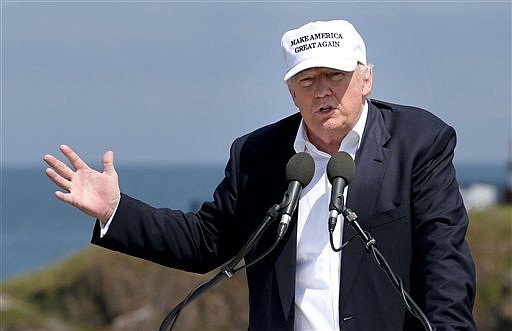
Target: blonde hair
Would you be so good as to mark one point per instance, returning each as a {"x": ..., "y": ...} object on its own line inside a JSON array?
[{"x": 364, "y": 72}]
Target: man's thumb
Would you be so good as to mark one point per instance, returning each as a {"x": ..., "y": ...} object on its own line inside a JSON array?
[{"x": 108, "y": 163}]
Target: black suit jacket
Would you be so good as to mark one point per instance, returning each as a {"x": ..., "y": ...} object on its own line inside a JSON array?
[{"x": 404, "y": 192}]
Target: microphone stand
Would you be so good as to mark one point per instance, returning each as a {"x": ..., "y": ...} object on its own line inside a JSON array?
[
  {"x": 228, "y": 270},
  {"x": 351, "y": 218}
]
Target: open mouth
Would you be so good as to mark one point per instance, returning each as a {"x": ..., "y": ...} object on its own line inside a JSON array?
[{"x": 325, "y": 109}]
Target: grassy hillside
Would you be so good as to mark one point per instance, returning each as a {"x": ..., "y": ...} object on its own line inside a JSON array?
[
  {"x": 102, "y": 290},
  {"x": 490, "y": 239}
]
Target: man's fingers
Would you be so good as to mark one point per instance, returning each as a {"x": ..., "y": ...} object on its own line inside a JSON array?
[
  {"x": 60, "y": 167},
  {"x": 65, "y": 197},
  {"x": 73, "y": 158},
  {"x": 57, "y": 179}
]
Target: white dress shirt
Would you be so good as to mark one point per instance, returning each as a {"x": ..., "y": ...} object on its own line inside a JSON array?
[{"x": 317, "y": 277}]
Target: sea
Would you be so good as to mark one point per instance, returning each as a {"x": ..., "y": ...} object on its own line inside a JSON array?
[{"x": 37, "y": 230}]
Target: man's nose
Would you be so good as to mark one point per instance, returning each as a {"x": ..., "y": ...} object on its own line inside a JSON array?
[{"x": 322, "y": 88}]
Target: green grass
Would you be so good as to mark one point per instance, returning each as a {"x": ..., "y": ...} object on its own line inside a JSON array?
[
  {"x": 490, "y": 239},
  {"x": 42, "y": 288}
]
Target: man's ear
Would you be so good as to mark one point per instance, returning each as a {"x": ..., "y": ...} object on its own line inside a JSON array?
[{"x": 367, "y": 84}]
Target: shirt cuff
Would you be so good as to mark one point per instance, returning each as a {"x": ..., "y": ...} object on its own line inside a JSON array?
[{"x": 104, "y": 227}]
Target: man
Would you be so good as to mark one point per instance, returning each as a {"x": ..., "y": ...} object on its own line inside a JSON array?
[{"x": 404, "y": 192}]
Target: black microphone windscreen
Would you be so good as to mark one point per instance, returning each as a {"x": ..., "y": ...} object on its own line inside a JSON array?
[
  {"x": 341, "y": 164},
  {"x": 301, "y": 168}
]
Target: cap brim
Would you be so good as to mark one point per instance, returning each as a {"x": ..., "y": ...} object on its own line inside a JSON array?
[{"x": 327, "y": 62}]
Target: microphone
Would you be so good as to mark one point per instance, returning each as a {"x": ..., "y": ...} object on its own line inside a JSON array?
[
  {"x": 299, "y": 172},
  {"x": 340, "y": 171}
]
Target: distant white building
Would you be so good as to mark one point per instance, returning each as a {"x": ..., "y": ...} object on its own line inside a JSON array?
[{"x": 479, "y": 196}]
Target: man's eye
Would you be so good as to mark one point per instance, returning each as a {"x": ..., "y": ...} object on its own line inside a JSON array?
[
  {"x": 307, "y": 81},
  {"x": 337, "y": 76}
]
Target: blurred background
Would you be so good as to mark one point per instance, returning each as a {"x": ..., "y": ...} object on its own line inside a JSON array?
[{"x": 168, "y": 85}]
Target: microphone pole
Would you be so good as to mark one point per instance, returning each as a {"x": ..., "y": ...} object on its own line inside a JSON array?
[
  {"x": 370, "y": 245},
  {"x": 228, "y": 270}
]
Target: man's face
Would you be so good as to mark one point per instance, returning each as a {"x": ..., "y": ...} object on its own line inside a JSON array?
[{"x": 330, "y": 102}]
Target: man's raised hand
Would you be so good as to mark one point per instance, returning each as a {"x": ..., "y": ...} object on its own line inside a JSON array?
[{"x": 95, "y": 193}]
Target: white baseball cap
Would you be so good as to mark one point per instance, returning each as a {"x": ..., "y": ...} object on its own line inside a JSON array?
[{"x": 332, "y": 44}]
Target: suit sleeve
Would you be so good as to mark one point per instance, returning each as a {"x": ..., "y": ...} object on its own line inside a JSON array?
[
  {"x": 442, "y": 260},
  {"x": 196, "y": 242}
]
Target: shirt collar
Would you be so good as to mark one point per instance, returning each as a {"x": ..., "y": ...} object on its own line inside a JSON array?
[{"x": 350, "y": 143}]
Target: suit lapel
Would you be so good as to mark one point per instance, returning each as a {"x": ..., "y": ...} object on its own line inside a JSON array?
[
  {"x": 371, "y": 162},
  {"x": 285, "y": 269},
  {"x": 285, "y": 264}
]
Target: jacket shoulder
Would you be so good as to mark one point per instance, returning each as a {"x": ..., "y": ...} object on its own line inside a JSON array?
[
  {"x": 279, "y": 134},
  {"x": 414, "y": 116}
]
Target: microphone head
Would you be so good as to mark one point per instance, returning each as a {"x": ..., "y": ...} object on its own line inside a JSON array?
[
  {"x": 341, "y": 164},
  {"x": 301, "y": 168}
]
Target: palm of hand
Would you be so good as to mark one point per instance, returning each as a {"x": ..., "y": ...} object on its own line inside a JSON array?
[{"x": 94, "y": 193}]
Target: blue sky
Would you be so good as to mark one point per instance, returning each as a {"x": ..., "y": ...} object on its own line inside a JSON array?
[{"x": 175, "y": 82}]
